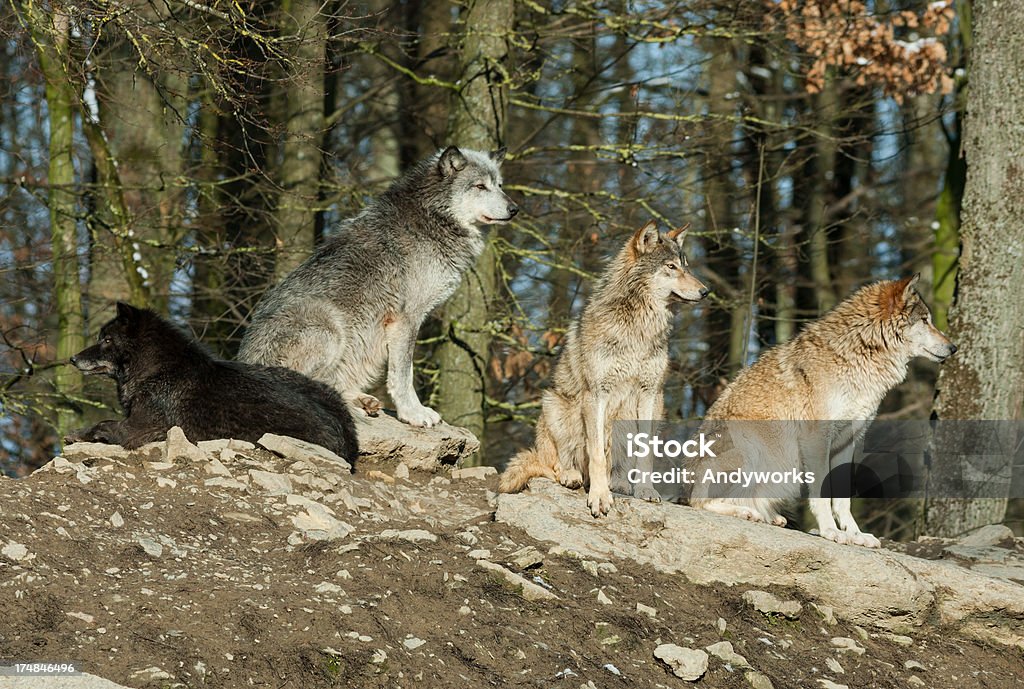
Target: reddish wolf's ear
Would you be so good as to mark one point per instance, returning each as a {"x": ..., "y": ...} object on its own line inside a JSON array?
[
  {"x": 644, "y": 239},
  {"x": 679, "y": 234},
  {"x": 905, "y": 288}
]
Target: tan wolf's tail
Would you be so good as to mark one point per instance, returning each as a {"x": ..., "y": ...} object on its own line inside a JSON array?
[{"x": 524, "y": 466}]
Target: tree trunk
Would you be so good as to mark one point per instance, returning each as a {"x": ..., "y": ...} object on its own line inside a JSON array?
[
  {"x": 50, "y": 32},
  {"x": 299, "y": 171},
  {"x": 985, "y": 379},
  {"x": 477, "y": 121}
]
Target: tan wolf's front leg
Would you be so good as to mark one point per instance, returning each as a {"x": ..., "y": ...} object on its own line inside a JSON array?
[
  {"x": 647, "y": 410},
  {"x": 599, "y": 498}
]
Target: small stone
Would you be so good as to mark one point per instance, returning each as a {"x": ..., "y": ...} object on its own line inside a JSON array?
[
  {"x": 826, "y": 612},
  {"x": 530, "y": 590},
  {"x": 413, "y": 643},
  {"x": 829, "y": 684},
  {"x": 152, "y": 548},
  {"x": 116, "y": 520},
  {"x": 686, "y": 663},
  {"x": 84, "y": 617},
  {"x": 602, "y": 598},
  {"x": 80, "y": 451},
  {"x": 914, "y": 665},
  {"x": 378, "y": 657},
  {"x": 465, "y": 610},
  {"x": 724, "y": 651},
  {"x": 479, "y": 473},
  {"x": 590, "y": 567},
  {"x": 272, "y": 483},
  {"x": 993, "y": 534},
  {"x": 899, "y": 639},
  {"x": 646, "y": 610},
  {"x": 293, "y": 448},
  {"x": 612, "y": 669},
  {"x": 14, "y": 551},
  {"x": 847, "y": 645},
  {"x": 766, "y": 603},
  {"x": 178, "y": 446},
  {"x": 479, "y": 554},
  {"x": 758, "y": 680},
  {"x": 833, "y": 665},
  {"x": 318, "y": 523},
  {"x": 411, "y": 535},
  {"x": 526, "y": 558},
  {"x": 380, "y": 476},
  {"x": 215, "y": 467},
  {"x": 402, "y": 471},
  {"x": 721, "y": 625},
  {"x": 221, "y": 444},
  {"x": 916, "y": 681},
  {"x": 225, "y": 482}
]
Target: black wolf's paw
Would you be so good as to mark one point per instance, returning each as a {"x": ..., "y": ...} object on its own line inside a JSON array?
[{"x": 78, "y": 436}]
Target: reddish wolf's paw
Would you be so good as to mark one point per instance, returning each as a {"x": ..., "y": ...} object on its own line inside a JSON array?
[
  {"x": 369, "y": 404},
  {"x": 421, "y": 416},
  {"x": 571, "y": 478},
  {"x": 599, "y": 501},
  {"x": 643, "y": 491}
]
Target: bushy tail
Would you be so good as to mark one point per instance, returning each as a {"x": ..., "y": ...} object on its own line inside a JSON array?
[{"x": 524, "y": 466}]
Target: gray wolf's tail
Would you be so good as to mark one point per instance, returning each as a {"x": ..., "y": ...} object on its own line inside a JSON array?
[{"x": 524, "y": 466}]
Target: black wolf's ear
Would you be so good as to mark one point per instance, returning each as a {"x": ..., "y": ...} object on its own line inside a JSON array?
[
  {"x": 126, "y": 311},
  {"x": 644, "y": 239},
  {"x": 499, "y": 156},
  {"x": 451, "y": 161}
]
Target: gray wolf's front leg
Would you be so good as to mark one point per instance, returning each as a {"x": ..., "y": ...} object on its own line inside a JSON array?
[
  {"x": 400, "y": 336},
  {"x": 599, "y": 499},
  {"x": 647, "y": 410}
]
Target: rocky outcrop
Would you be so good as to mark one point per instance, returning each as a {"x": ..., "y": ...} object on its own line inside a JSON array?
[
  {"x": 384, "y": 439},
  {"x": 870, "y": 587}
]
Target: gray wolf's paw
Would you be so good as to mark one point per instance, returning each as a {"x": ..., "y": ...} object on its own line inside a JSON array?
[
  {"x": 643, "y": 491},
  {"x": 369, "y": 404},
  {"x": 835, "y": 535},
  {"x": 421, "y": 416},
  {"x": 864, "y": 539},
  {"x": 599, "y": 501},
  {"x": 571, "y": 478},
  {"x": 779, "y": 520}
]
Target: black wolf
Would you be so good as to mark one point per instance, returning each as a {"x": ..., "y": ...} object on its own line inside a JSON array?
[{"x": 166, "y": 378}]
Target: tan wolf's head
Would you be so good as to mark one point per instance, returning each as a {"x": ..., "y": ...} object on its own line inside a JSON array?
[
  {"x": 659, "y": 259},
  {"x": 902, "y": 304}
]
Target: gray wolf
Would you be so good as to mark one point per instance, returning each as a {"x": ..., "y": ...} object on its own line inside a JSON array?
[
  {"x": 358, "y": 302},
  {"x": 820, "y": 391},
  {"x": 166, "y": 378},
  {"x": 612, "y": 367}
]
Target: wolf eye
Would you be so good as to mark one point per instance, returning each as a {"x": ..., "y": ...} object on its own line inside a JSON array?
[
  {"x": 481, "y": 187},
  {"x": 108, "y": 340},
  {"x": 673, "y": 266}
]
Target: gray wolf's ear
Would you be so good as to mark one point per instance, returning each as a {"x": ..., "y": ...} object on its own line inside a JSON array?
[
  {"x": 451, "y": 161},
  {"x": 644, "y": 239},
  {"x": 499, "y": 156}
]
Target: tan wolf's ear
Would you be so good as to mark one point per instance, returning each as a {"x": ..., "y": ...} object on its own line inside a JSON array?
[
  {"x": 644, "y": 239},
  {"x": 679, "y": 234}
]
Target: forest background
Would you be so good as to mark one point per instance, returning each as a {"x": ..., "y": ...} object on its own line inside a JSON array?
[{"x": 185, "y": 155}]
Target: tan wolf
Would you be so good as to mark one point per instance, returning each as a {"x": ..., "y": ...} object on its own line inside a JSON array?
[
  {"x": 612, "y": 367},
  {"x": 835, "y": 372}
]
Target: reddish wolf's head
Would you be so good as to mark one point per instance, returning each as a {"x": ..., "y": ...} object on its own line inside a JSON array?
[
  {"x": 914, "y": 317},
  {"x": 660, "y": 260}
]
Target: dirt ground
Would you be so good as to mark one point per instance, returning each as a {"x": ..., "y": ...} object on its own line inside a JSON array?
[{"x": 152, "y": 575}]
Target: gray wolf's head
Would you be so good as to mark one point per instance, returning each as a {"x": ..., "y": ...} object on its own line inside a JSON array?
[
  {"x": 475, "y": 179},
  {"x": 918, "y": 334},
  {"x": 659, "y": 259}
]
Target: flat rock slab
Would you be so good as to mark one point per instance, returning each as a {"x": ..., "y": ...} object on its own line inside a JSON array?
[
  {"x": 880, "y": 588},
  {"x": 293, "y": 448},
  {"x": 385, "y": 439},
  {"x": 82, "y": 681}
]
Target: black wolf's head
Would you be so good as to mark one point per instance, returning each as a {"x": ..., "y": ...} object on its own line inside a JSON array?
[
  {"x": 112, "y": 354},
  {"x": 658, "y": 260}
]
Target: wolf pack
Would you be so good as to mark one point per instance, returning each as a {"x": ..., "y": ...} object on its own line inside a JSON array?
[{"x": 319, "y": 340}]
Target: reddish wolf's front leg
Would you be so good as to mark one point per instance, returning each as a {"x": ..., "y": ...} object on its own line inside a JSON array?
[{"x": 599, "y": 498}]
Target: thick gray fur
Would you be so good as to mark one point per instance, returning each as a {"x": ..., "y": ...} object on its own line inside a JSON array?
[{"x": 358, "y": 302}]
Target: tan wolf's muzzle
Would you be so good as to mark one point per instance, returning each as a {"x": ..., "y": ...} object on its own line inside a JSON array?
[
  {"x": 941, "y": 347},
  {"x": 690, "y": 289}
]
